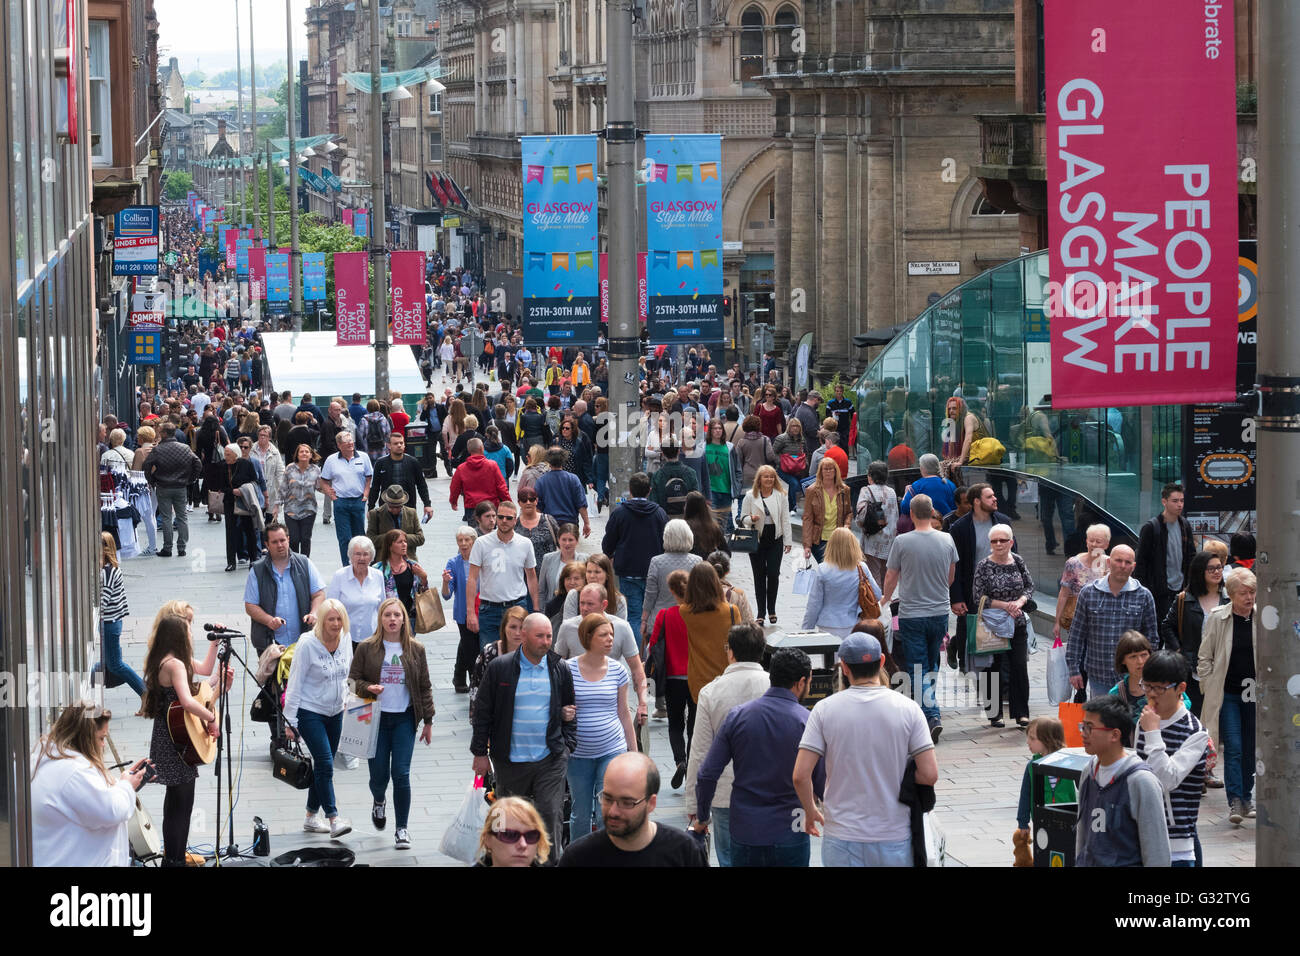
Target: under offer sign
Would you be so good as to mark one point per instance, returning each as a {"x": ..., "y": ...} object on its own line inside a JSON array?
[
  {"x": 135, "y": 241},
  {"x": 1142, "y": 203}
]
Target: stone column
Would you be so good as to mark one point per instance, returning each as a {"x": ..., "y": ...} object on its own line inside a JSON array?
[
  {"x": 879, "y": 304},
  {"x": 832, "y": 317},
  {"x": 803, "y": 238},
  {"x": 781, "y": 280}
]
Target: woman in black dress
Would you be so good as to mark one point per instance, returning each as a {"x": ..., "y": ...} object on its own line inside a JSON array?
[
  {"x": 228, "y": 478},
  {"x": 210, "y": 446}
]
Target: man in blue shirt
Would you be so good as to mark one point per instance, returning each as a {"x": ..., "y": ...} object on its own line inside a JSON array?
[
  {"x": 942, "y": 492},
  {"x": 760, "y": 739},
  {"x": 561, "y": 494},
  {"x": 282, "y": 592},
  {"x": 346, "y": 475}
]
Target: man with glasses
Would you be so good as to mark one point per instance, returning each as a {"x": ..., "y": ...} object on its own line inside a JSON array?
[
  {"x": 970, "y": 533},
  {"x": 1121, "y": 801},
  {"x": 1107, "y": 608},
  {"x": 1175, "y": 746},
  {"x": 630, "y": 838},
  {"x": 502, "y": 572}
]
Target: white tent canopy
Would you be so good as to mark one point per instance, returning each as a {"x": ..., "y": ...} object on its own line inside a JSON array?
[{"x": 313, "y": 362}]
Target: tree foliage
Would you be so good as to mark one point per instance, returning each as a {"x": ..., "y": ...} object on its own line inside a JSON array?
[{"x": 178, "y": 185}]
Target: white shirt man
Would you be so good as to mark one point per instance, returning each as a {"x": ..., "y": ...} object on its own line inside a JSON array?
[{"x": 502, "y": 572}]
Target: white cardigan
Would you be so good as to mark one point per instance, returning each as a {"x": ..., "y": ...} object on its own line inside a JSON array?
[{"x": 778, "y": 505}]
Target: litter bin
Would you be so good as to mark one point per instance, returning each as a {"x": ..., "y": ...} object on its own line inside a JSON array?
[
  {"x": 821, "y": 648},
  {"x": 419, "y": 447},
  {"x": 1054, "y": 822}
]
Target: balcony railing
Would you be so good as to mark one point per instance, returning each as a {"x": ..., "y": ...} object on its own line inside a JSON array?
[{"x": 1011, "y": 139}]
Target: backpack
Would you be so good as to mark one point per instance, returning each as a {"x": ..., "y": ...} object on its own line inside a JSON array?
[
  {"x": 873, "y": 515},
  {"x": 375, "y": 437},
  {"x": 675, "y": 491}
]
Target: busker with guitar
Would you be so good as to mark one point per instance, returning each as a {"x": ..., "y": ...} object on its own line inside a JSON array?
[{"x": 169, "y": 672}]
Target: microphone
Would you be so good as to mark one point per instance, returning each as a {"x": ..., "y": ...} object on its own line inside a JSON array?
[{"x": 217, "y": 632}]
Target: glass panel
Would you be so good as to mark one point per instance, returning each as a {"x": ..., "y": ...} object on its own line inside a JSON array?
[{"x": 18, "y": 148}]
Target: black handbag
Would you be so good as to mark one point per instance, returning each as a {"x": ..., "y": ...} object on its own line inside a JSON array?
[
  {"x": 743, "y": 541},
  {"x": 290, "y": 765}
]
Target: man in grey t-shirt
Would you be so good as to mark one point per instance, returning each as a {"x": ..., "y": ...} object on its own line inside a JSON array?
[{"x": 922, "y": 564}]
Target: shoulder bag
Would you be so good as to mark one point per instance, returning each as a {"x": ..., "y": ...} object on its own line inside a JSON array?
[
  {"x": 868, "y": 603},
  {"x": 979, "y": 639},
  {"x": 290, "y": 765},
  {"x": 428, "y": 616}
]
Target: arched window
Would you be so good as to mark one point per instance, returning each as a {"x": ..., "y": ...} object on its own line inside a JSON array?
[
  {"x": 786, "y": 20},
  {"x": 751, "y": 43}
]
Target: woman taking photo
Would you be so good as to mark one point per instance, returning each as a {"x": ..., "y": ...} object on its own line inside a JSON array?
[
  {"x": 513, "y": 835},
  {"x": 391, "y": 666},
  {"x": 299, "y": 483},
  {"x": 699, "y": 516},
  {"x": 764, "y": 509},
  {"x": 112, "y": 611},
  {"x": 600, "y": 570},
  {"x": 1003, "y": 578},
  {"x": 403, "y": 579},
  {"x": 1183, "y": 625},
  {"x": 877, "y": 490},
  {"x": 313, "y": 709},
  {"x": 833, "y": 601},
  {"x": 1080, "y": 571},
  {"x": 359, "y": 587},
  {"x": 827, "y": 505},
  {"x": 169, "y": 672},
  {"x": 511, "y": 636},
  {"x": 793, "y": 459},
  {"x": 79, "y": 812},
  {"x": 1226, "y": 671},
  {"x": 604, "y": 722}
]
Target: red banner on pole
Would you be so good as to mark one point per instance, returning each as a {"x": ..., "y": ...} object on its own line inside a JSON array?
[
  {"x": 642, "y": 295},
  {"x": 409, "y": 325},
  {"x": 347, "y": 218},
  {"x": 352, "y": 297},
  {"x": 1142, "y": 202},
  {"x": 232, "y": 236},
  {"x": 257, "y": 272}
]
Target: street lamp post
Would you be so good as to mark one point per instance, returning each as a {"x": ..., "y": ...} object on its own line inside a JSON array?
[
  {"x": 378, "y": 214},
  {"x": 239, "y": 83},
  {"x": 295, "y": 285},
  {"x": 252, "y": 79}
]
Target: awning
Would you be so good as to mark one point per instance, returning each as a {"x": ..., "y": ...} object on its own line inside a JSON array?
[
  {"x": 391, "y": 81},
  {"x": 879, "y": 336}
]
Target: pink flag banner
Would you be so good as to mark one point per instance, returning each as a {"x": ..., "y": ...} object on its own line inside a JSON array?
[
  {"x": 409, "y": 325},
  {"x": 257, "y": 273},
  {"x": 352, "y": 298}
]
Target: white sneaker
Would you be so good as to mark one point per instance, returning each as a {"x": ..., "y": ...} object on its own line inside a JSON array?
[
  {"x": 402, "y": 839},
  {"x": 339, "y": 826},
  {"x": 316, "y": 824}
]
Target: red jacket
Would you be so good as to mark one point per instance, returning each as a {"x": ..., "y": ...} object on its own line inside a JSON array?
[
  {"x": 670, "y": 626},
  {"x": 478, "y": 479}
]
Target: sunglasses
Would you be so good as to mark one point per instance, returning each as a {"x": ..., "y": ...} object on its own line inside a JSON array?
[
  {"x": 527, "y": 497},
  {"x": 999, "y": 540},
  {"x": 514, "y": 836}
]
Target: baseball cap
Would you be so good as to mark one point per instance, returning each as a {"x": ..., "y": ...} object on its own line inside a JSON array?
[{"x": 859, "y": 649}]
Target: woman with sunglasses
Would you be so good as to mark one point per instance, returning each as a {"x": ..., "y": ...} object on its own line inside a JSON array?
[
  {"x": 513, "y": 835},
  {"x": 1003, "y": 578},
  {"x": 541, "y": 529},
  {"x": 1182, "y": 626}
]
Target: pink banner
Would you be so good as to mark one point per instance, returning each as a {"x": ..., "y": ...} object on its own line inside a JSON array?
[
  {"x": 352, "y": 297},
  {"x": 347, "y": 218},
  {"x": 1142, "y": 209},
  {"x": 642, "y": 295},
  {"x": 232, "y": 236},
  {"x": 256, "y": 272},
  {"x": 409, "y": 326}
]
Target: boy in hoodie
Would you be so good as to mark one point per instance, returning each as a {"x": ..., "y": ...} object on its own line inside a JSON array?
[
  {"x": 634, "y": 534},
  {"x": 1121, "y": 801},
  {"x": 1175, "y": 746}
]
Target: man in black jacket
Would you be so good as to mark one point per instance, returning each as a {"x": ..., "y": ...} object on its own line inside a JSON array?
[
  {"x": 398, "y": 468},
  {"x": 1163, "y": 558},
  {"x": 970, "y": 533},
  {"x": 634, "y": 534},
  {"x": 520, "y": 692},
  {"x": 170, "y": 468}
]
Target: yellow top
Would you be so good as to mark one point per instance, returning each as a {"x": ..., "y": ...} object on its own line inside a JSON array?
[{"x": 832, "y": 514}]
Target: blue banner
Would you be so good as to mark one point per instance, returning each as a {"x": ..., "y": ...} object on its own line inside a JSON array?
[
  {"x": 241, "y": 257},
  {"x": 143, "y": 348},
  {"x": 312, "y": 180},
  {"x": 684, "y": 238},
  {"x": 332, "y": 180},
  {"x": 361, "y": 223},
  {"x": 313, "y": 276},
  {"x": 207, "y": 265},
  {"x": 561, "y": 241},
  {"x": 277, "y": 277}
]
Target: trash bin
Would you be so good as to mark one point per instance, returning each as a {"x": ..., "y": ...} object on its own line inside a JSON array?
[
  {"x": 821, "y": 648},
  {"x": 419, "y": 447},
  {"x": 1054, "y": 823}
]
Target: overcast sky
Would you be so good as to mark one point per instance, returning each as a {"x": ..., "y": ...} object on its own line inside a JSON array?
[{"x": 202, "y": 35}]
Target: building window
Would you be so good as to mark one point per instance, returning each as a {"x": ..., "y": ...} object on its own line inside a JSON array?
[
  {"x": 751, "y": 43},
  {"x": 101, "y": 107},
  {"x": 403, "y": 21},
  {"x": 786, "y": 20},
  {"x": 435, "y": 103},
  {"x": 435, "y": 146}
]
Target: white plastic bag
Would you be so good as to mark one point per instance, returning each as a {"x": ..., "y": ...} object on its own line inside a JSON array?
[
  {"x": 936, "y": 843},
  {"x": 460, "y": 842},
  {"x": 804, "y": 569},
  {"x": 1058, "y": 676},
  {"x": 360, "y": 734}
]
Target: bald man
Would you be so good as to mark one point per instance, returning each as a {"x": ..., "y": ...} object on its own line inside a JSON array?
[
  {"x": 524, "y": 725},
  {"x": 1106, "y": 609}
]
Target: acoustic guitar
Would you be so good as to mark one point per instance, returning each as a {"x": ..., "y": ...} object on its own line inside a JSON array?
[
  {"x": 189, "y": 735},
  {"x": 143, "y": 837}
]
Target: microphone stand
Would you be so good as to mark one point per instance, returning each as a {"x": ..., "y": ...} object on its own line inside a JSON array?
[{"x": 225, "y": 651}]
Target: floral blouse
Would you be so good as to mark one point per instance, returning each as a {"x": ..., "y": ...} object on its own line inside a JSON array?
[
  {"x": 300, "y": 490},
  {"x": 1002, "y": 582},
  {"x": 1078, "y": 574}
]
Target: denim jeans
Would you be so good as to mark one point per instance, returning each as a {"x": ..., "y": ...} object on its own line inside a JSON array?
[
  {"x": 601, "y": 472},
  {"x": 851, "y": 853},
  {"x": 113, "y": 663},
  {"x": 349, "y": 521},
  {"x": 171, "y": 512},
  {"x": 922, "y": 637},
  {"x": 1237, "y": 730},
  {"x": 321, "y": 735},
  {"x": 819, "y": 551},
  {"x": 798, "y": 852},
  {"x": 586, "y": 779},
  {"x": 489, "y": 620},
  {"x": 721, "y": 502},
  {"x": 720, "y": 827},
  {"x": 793, "y": 486},
  {"x": 634, "y": 590},
  {"x": 393, "y": 757}
]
